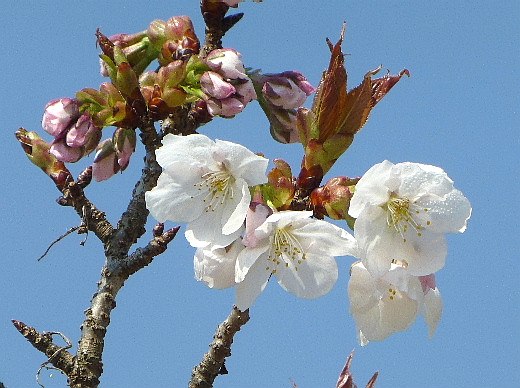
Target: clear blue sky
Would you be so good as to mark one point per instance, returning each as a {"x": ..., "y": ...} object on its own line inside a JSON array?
[{"x": 459, "y": 110}]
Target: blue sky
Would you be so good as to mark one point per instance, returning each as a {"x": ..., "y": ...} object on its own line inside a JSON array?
[{"x": 459, "y": 110}]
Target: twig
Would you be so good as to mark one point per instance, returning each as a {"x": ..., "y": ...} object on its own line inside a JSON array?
[
  {"x": 212, "y": 363},
  {"x": 59, "y": 357},
  {"x": 71, "y": 230},
  {"x": 51, "y": 358}
]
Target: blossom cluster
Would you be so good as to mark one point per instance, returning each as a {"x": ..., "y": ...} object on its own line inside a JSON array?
[
  {"x": 402, "y": 213},
  {"x": 240, "y": 240}
]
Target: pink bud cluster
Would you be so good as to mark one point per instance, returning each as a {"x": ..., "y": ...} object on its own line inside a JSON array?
[
  {"x": 75, "y": 135},
  {"x": 226, "y": 86}
]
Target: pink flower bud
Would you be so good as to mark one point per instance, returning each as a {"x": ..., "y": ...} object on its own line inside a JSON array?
[
  {"x": 245, "y": 91},
  {"x": 65, "y": 153},
  {"x": 288, "y": 90},
  {"x": 227, "y": 63},
  {"x": 124, "y": 143},
  {"x": 59, "y": 114},
  {"x": 214, "y": 85},
  {"x": 228, "y": 107},
  {"x": 105, "y": 162},
  {"x": 82, "y": 132}
]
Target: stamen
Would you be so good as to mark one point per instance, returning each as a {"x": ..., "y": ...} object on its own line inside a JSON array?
[
  {"x": 400, "y": 216},
  {"x": 219, "y": 188},
  {"x": 286, "y": 249}
]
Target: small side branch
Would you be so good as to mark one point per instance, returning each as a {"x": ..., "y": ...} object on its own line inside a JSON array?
[
  {"x": 217, "y": 24},
  {"x": 212, "y": 363},
  {"x": 94, "y": 219},
  {"x": 144, "y": 256},
  {"x": 58, "y": 356}
]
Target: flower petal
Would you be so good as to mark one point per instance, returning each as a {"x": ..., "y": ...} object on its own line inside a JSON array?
[
  {"x": 248, "y": 257},
  {"x": 170, "y": 201},
  {"x": 312, "y": 278},
  {"x": 235, "y": 209},
  {"x": 371, "y": 190},
  {"x": 432, "y": 310},
  {"x": 252, "y": 285},
  {"x": 184, "y": 149}
]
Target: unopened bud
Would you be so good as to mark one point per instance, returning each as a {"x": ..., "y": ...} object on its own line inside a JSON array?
[{"x": 59, "y": 115}]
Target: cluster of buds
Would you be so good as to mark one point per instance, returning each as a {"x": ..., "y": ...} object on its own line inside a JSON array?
[
  {"x": 137, "y": 48},
  {"x": 107, "y": 106},
  {"x": 174, "y": 39},
  {"x": 75, "y": 134},
  {"x": 279, "y": 96},
  {"x": 226, "y": 87},
  {"x": 162, "y": 90}
]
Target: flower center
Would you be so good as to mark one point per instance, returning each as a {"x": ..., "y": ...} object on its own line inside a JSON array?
[
  {"x": 285, "y": 250},
  {"x": 400, "y": 215},
  {"x": 219, "y": 187}
]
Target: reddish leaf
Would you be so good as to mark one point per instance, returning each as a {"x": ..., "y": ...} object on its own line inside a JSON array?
[
  {"x": 372, "y": 382},
  {"x": 345, "y": 379},
  {"x": 381, "y": 86},
  {"x": 329, "y": 102}
]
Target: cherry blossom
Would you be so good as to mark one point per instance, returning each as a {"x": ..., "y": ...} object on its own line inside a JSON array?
[
  {"x": 298, "y": 250},
  {"x": 388, "y": 304},
  {"x": 206, "y": 184},
  {"x": 403, "y": 212}
]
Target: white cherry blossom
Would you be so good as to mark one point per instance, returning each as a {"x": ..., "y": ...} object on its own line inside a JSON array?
[
  {"x": 298, "y": 250},
  {"x": 388, "y": 304},
  {"x": 216, "y": 266},
  {"x": 402, "y": 212},
  {"x": 206, "y": 184}
]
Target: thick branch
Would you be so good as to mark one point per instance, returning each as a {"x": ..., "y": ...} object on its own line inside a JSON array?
[
  {"x": 131, "y": 225},
  {"x": 58, "y": 356},
  {"x": 212, "y": 363}
]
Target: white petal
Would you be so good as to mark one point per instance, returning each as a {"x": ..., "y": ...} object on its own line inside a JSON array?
[
  {"x": 449, "y": 213},
  {"x": 313, "y": 277},
  {"x": 235, "y": 209},
  {"x": 248, "y": 257},
  {"x": 415, "y": 179},
  {"x": 432, "y": 310},
  {"x": 184, "y": 149},
  {"x": 362, "y": 291},
  {"x": 371, "y": 188},
  {"x": 242, "y": 162},
  {"x": 252, "y": 285},
  {"x": 322, "y": 237},
  {"x": 207, "y": 230},
  {"x": 170, "y": 201},
  {"x": 216, "y": 267}
]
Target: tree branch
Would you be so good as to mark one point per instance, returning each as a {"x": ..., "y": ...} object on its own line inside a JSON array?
[{"x": 212, "y": 363}]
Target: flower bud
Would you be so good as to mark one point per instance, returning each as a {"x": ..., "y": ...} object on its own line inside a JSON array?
[
  {"x": 105, "y": 162},
  {"x": 280, "y": 188},
  {"x": 227, "y": 63},
  {"x": 214, "y": 85},
  {"x": 38, "y": 153},
  {"x": 174, "y": 39},
  {"x": 64, "y": 153},
  {"x": 59, "y": 114},
  {"x": 82, "y": 133},
  {"x": 287, "y": 90},
  {"x": 124, "y": 143},
  {"x": 333, "y": 199}
]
